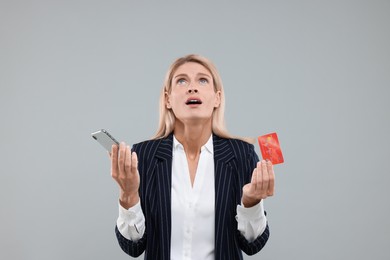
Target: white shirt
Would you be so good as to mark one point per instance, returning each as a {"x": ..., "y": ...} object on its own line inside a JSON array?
[{"x": 193, "y": 211}]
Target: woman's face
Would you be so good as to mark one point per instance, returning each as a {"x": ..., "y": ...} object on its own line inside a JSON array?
[{"x": 192, "y": 94}]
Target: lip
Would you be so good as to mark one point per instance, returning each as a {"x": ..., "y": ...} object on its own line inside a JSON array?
[{"x": 193, "y": 101}]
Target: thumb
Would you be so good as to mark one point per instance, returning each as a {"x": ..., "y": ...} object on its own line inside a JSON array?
[
  {"x": 250, "y": 187},
  {"x": 254, "y": 179}
]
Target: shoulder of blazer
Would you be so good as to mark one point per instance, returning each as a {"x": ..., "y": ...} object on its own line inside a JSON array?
[
  {"x": 237, "y": 148},
  {"x": 160, "y": 148}
]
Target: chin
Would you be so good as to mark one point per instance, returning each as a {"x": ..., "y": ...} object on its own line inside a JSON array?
[{"x": 195, "y": 118}]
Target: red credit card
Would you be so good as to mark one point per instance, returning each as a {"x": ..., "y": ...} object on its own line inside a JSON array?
[{"x": 270, "y": 148}]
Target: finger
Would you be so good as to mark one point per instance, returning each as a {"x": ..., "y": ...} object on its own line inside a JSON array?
[
  {"x": 258, "y": 183},
  {"x": 121, "y": 158},
  {"x": 265, "y": 177},
  {"x": 271, "y": 185},
  {"x": 127, "y": 160},
  {"x": 134, "y": 162},
  {"x": 114, "y": 161}
]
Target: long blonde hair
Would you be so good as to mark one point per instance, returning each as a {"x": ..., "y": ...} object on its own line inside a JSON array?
[{"x": 167, "y": 118}]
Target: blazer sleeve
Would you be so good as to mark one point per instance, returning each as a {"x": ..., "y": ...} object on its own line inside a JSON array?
[
  {"x": 131, "y": 248},
  {"x": 248, "y": 163},
  {"x": 251, "y": 248}
]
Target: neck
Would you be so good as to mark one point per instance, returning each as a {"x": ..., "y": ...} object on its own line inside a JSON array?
[{"x": 193, "y": 136}]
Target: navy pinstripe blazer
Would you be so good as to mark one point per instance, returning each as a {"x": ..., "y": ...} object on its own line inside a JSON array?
[{"x": 234, "y": 162}]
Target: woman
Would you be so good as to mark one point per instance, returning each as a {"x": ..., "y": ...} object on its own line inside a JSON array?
[{"x": 194, "y": 191}]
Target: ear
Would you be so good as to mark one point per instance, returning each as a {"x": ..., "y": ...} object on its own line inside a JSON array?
[
  {"x": 217, "y": 102},
  {"x": 167, "y": 102}
]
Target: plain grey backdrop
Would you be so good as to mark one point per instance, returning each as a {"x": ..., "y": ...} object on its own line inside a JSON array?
[{"x": 316, "y": 72}]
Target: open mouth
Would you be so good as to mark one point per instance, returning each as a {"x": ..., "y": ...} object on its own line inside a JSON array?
[{"x": 193, "y": 102}]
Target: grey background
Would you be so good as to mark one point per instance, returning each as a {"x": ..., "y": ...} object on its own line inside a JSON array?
[{"x": 316, "y": 72}]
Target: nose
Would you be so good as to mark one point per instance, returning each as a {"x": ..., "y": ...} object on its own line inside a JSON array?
[{"x": 192, "y": 90}]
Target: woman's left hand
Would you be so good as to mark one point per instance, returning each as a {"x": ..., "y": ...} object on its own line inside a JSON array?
[{"x": 261, "y": 185}]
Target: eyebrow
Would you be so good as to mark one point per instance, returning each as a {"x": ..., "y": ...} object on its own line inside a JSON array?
[{"x": 199, "y": 74}]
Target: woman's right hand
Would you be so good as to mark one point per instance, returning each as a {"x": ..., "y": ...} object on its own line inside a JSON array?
[{"x": 124, "y": 170}]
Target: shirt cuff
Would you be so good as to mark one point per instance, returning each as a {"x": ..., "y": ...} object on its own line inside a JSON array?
[
  {"x": 252, "y": 213},
  {"x": 131, "y": 222},
  {"x": 251, "y": 222}
]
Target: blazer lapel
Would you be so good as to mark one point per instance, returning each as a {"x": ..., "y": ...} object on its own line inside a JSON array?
[
  {"x": 223, "y": 184},
  {"x": 222, "y": 155},
  {"x": 163, "y": 172}
]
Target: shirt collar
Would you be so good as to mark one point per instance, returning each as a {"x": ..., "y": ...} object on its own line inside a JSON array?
[{"x": 209, "y": 146}]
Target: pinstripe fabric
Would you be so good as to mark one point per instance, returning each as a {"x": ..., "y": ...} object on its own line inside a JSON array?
[{"x": 234, "y": 162}]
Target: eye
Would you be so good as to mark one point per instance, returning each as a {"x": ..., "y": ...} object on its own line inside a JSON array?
[
  {"x": 181, "y": 82},
  {"x": 203, "y": 81}
]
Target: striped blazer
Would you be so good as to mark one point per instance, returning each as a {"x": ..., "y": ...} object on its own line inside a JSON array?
[{"x": 234, "y": 162}]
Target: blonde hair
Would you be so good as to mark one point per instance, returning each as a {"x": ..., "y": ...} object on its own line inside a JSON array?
[{"x": 167, "y": 118}]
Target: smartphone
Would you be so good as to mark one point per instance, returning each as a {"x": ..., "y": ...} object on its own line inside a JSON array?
[{"x": 105, "y": 139}]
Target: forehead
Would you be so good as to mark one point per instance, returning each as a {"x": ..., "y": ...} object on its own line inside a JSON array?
[{"x": 192, "y": 68}]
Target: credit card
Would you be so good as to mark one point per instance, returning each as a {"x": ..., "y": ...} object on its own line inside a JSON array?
[{"x": 270, "y": 148}]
